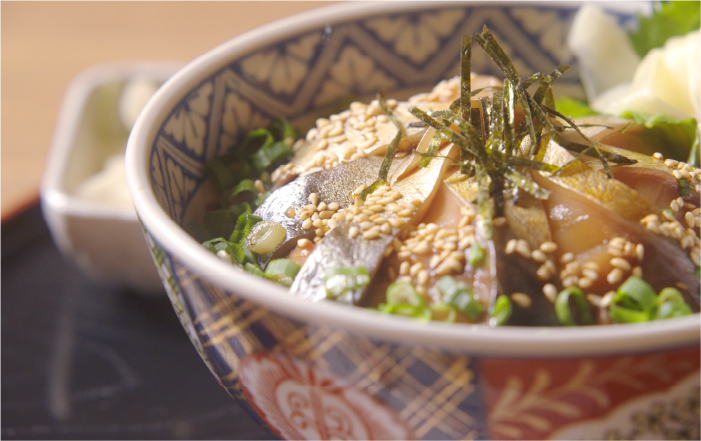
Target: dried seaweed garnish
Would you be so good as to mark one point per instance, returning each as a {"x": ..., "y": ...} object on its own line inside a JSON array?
[
  {"x": 465, "y": 92},
  {"x": 603, "y": 156},
  {"x": 487, "y": 41},
  {"x": 389, "y": 153}
]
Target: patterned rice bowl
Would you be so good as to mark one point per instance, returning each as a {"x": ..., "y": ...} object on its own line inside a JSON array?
[{"x": 324, "y": 370}]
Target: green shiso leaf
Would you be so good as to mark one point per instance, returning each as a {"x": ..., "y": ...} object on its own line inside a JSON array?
[
  {"x": 680, "y": 136},
  {"x": 573, "y": 108},
  {"x": 669, "y": 19}
]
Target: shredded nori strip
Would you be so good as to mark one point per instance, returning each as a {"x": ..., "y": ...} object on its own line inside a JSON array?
[
  {"x": 389, "y": 153},
  {"x": 489, "y": 44}
]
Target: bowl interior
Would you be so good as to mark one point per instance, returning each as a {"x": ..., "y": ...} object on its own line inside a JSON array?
[{"x": 313, "y": 65}]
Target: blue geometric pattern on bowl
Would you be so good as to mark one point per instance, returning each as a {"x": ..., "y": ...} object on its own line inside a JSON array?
[{"x": 314, "y": 74}]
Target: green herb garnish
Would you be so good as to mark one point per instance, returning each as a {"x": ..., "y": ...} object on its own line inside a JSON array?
[
  {"x": 341, "y": 280},
  {"x": 501, "y": 312},
  {"x": 634, "y": 301},
  {"x": 571, "y": 308},
  {"x": 669, "y": 19}
]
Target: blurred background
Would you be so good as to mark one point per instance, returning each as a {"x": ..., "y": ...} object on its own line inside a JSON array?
[
  {"x": 46, "y": 44},
  {"x": 82, "y": 359}
]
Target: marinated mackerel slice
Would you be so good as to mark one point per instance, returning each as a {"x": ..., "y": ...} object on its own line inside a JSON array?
[
  {"x": 334, "y": 185},
  {"x": 363, "y": 130},
  {"x": 358, "y": 241}
]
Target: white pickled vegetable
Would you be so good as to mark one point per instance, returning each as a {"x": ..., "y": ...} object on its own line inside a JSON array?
[
  {"x": 605, "y": 54},
  {"x": 109, "y": 186},
  {"x": 666, "y": 82},
  {"x": 134, "y": 97}
]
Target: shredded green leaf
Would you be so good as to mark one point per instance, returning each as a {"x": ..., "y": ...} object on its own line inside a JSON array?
[
  {"x": 669, "y": 19},
  {"x": 679, "y": 136}
]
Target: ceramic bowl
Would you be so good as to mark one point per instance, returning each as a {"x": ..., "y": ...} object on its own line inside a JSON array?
[
  {"x": 103, "y": 237},
  {"x": 324, "y": 370}
]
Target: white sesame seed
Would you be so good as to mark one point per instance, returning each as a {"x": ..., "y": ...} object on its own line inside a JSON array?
[
  {"x": 550, "y": 292},
  {"x": 619, "y": 262},
  {"x": 307, "y": 224},
  {"x": 538, "y": 256},
  {"x": 689, "y": 218},
  {"x": 303, "y": 243},
  {"x": 314, "y": 199},
  {"x": 614, "y": 276},
  {"x": 371, "y": 234},
  {"x": 422, "y": 277},
  {"x": 584, "y": 282},
  {"x": 637, "y": 271},
  {"x": 548, "y": 247},
  {"x": 521, "y": 299},
  {"x": 570, "y": 281},
  {"x": 567, "y": 257},
  {"x": 543, "y": 272},
  {"x": 320, "y": 232},
  {"x": 523, "y": 249},
  {"x": 353, "y": 231},
  {"x": 590, "y": 274},
  {"x": 395, "y": 222},
  {"x": 510, "y": 246},
  {"x": 405, "y": 213}
]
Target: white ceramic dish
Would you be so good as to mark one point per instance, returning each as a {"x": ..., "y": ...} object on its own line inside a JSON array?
[{"x": 103, "y": 239}]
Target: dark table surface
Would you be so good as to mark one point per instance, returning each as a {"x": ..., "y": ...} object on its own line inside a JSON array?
[{"x": 83, "y": 360}]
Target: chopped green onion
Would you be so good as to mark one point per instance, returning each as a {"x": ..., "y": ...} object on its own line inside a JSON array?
[
  {"x": 403, "y": 293},
  {"x": 215, "y": 245},
  {"x": 342, "y": 279},
  {"x": 243, "y": 227},
  {"x": 671, "y": 304},
  {"x": 475, "y": 255},
  {"x": 634, "y": 301},
  {"x": 281, "y": 129},
  {"x": 443, "y": 312},
  {"x": 239, "y": 209},
  {"x": 459, "y": 296},
  {"x": 415, "y": 311},
  {"x": 240, "y": 254},
  {"x": 270, "y": 156},
  {"x": 501, "y": 312},
  {"x": 254, "y": 269},
  {"x": 254, "y": 141},
  {"x": 282, "y": 267},
  {"x": 282, "y": 271},
  {"x": 563, "y": 308},
  {"x": 683, "y": 187},
  {"x": 265, "y": 237},
  {"x": 260, "y": 199},
  {"x": 672, "y": 309},
  {"x": 245, "y": 185},
  {"x": 670, "y": 295}
]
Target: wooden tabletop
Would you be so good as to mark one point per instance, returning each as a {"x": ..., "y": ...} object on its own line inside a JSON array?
[{"x": 46, "y": 44}]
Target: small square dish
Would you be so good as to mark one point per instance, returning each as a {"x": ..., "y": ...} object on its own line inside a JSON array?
[{"x": 84, "y": 197}]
